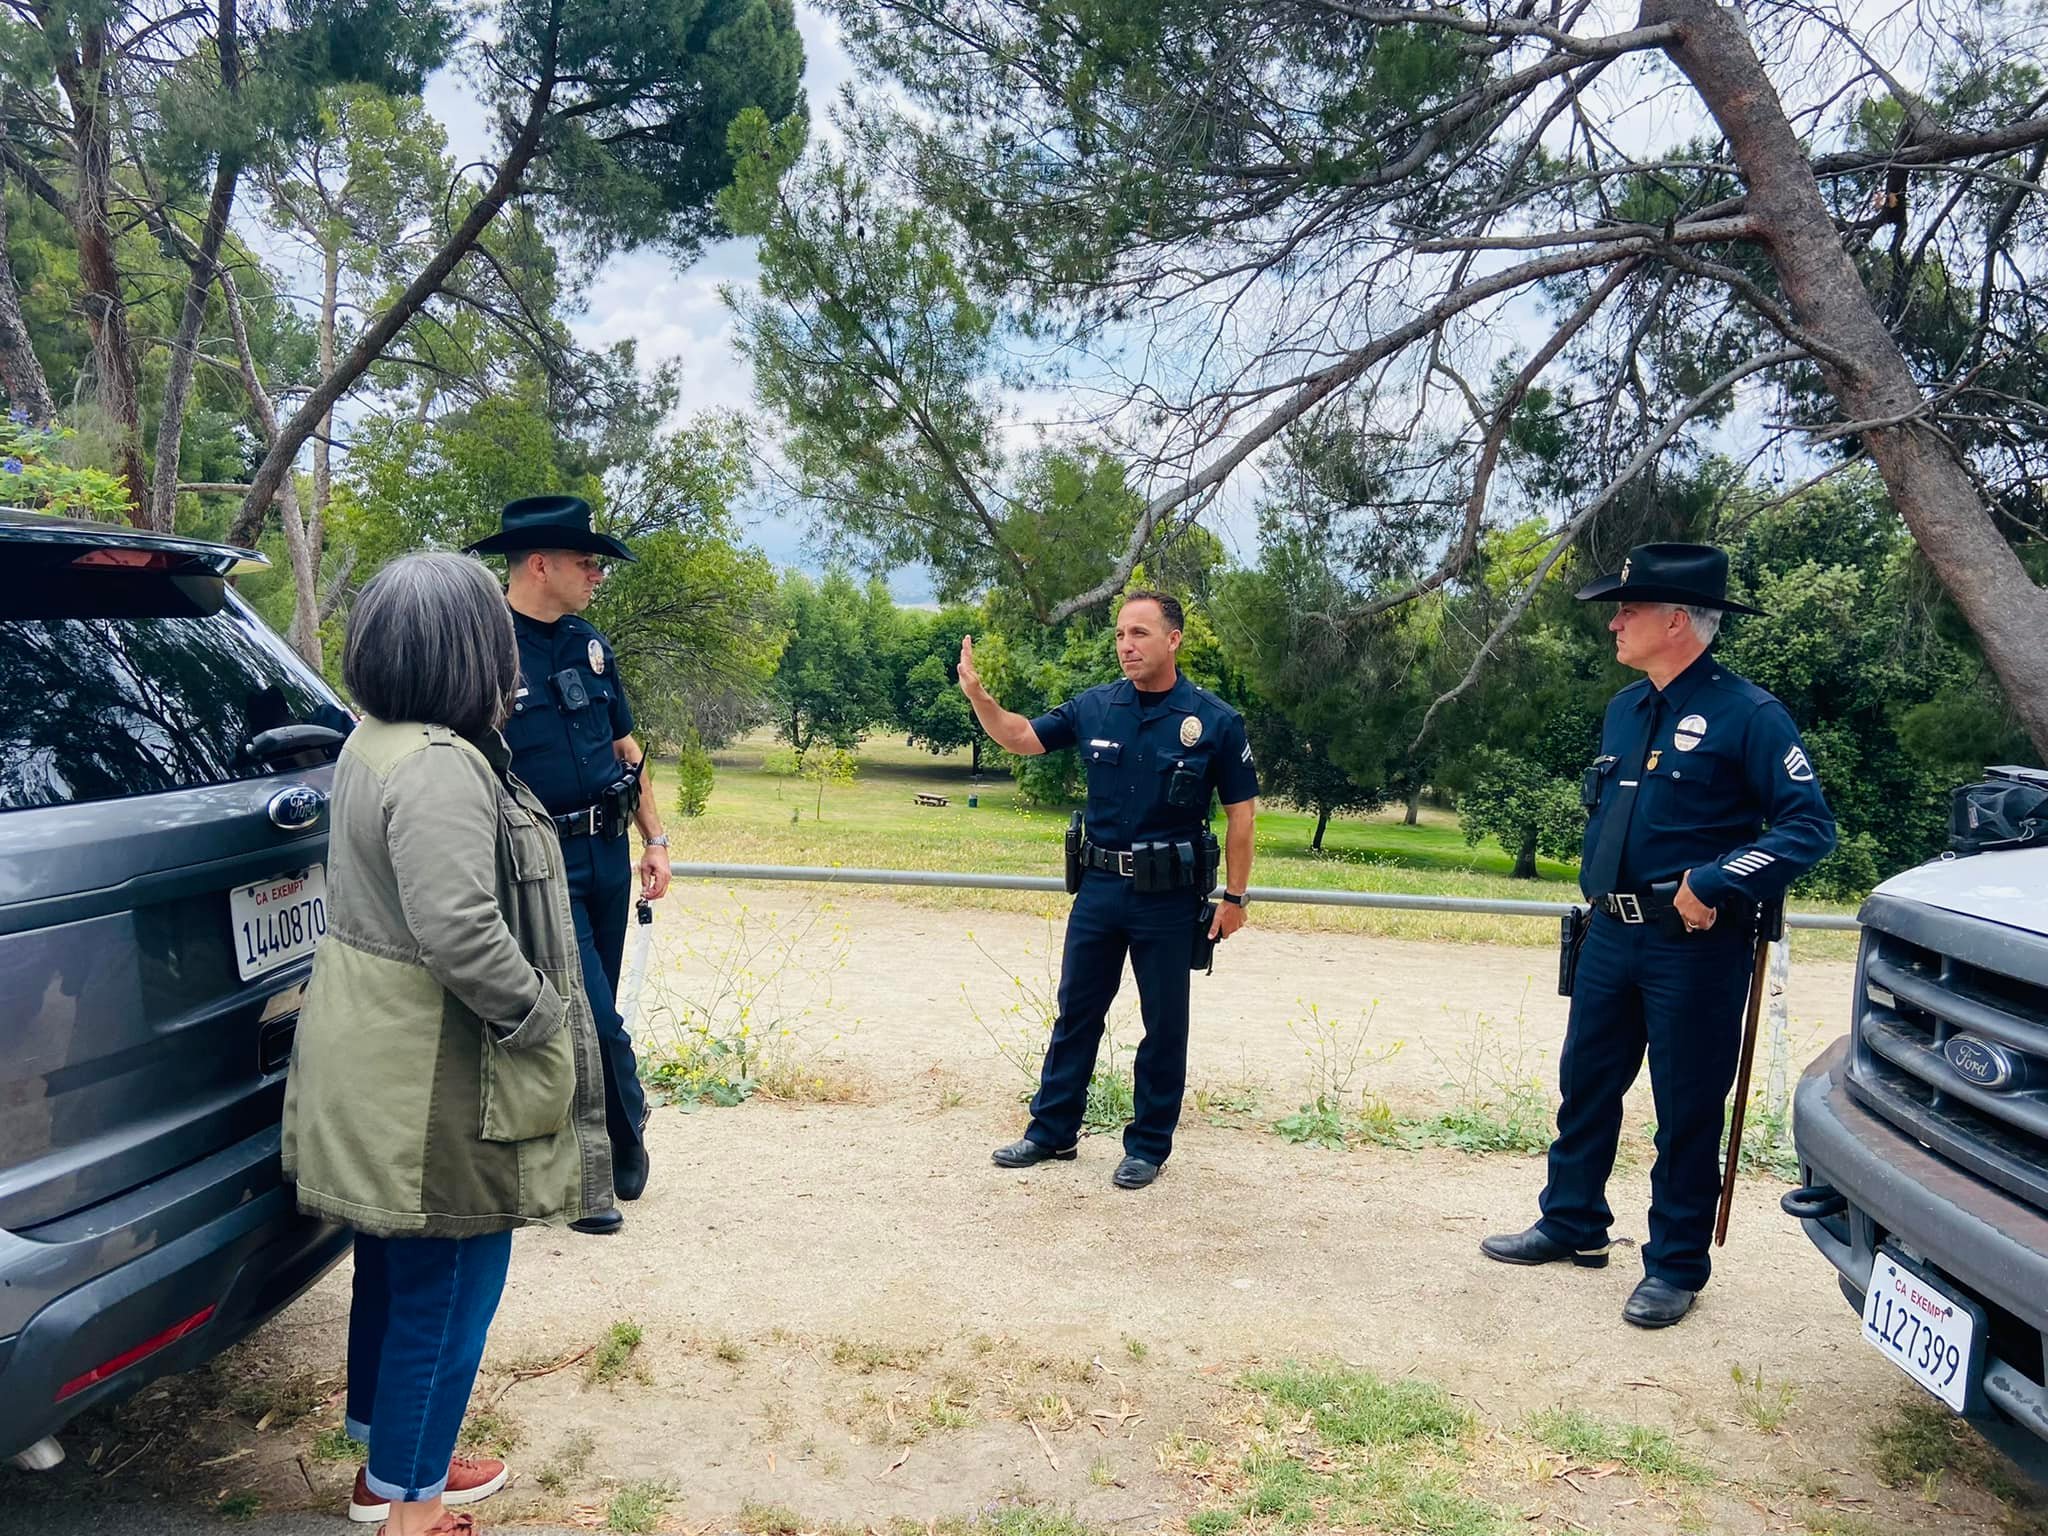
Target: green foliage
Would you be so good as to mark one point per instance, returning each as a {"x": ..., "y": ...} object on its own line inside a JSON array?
[
  {"x": 1528, "y": 809},
  {"x": 34, "y": 473},
  {"x": 1382, "y": 1456},
  {"x": 831, "y": 682},
  {"x": 1354, "y": 1407},
  {"x": 613, "y": 1356},
  {"x": 1637, "y": 1448},
  {"x": 637, "y": 1508},
  {"x": 694, "y": 776},
  {"x": 1893, "y": 702},
  {"x": 884, "y": 356},
  {"x": 337, "y": 1445}
]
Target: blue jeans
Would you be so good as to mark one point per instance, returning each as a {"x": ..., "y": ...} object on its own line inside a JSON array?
[{"x": 416, "y": 1329}]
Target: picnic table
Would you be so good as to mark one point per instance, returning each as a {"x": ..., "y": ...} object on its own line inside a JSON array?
[{"x": 925, "y": 799}]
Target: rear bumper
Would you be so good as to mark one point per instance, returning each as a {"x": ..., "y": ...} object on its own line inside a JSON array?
[
  {"x": 223, "y": 1233},
  {"x": 1977, "y": 1236}
]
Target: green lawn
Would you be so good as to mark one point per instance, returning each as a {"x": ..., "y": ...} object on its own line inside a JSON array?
[{"x": 757, "y": 816}]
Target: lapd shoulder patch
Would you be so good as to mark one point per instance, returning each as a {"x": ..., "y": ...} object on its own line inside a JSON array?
[
  {"x": 596, "y": 654},
  {"x": 1190, "y": 730},
  {"x": 1797, "y": 767}
]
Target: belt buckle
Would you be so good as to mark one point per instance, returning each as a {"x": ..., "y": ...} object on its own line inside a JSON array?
[
  {"x": 1123, "y": 864},
  {"x": 1627, "y": 906}
]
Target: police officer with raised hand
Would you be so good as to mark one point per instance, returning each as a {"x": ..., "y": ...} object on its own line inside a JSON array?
[
  {"x": 1156, "y": 749},
  {"x": 571, "y": 735},
  {"x": 1704, "y": 809}
]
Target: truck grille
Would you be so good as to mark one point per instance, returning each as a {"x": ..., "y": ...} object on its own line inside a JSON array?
[{"x": 1945, "y": 1010}]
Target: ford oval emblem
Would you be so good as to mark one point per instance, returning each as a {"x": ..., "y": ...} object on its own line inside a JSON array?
[
  {"x": 1983, "y": 1063},
  {"x": 297, "y": 808}
]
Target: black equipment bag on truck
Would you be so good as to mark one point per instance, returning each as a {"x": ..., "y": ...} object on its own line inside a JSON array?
[{"x": 2007, "y": 809}]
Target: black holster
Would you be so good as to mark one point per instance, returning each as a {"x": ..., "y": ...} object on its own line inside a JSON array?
[
  {"x": 1074, "y": 841},
  {"x": 1202, "y": 957},
  {"x": 1571, "y": 939},
  {"x": 620, "y": 799}
]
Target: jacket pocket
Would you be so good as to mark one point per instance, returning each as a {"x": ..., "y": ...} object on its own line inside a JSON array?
[
  {"x": 529, "y": 843},
  {"x": 528, "y": 1093}
]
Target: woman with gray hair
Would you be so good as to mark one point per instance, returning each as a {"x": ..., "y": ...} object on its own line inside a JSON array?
[{"x": 445, "y": 1083}]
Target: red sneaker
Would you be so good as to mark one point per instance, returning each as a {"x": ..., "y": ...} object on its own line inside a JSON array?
[
  {"x": 451, "y": 1523},
  {"x": 470, "y": 1479}
]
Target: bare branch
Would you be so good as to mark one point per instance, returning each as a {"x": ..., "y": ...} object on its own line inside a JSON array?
[{"x": 1577, "y": 523}]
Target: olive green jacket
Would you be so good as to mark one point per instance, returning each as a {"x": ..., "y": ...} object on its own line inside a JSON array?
[{"x": 445, "y": 1080}]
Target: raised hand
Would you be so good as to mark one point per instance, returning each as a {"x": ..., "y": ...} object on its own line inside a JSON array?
[{"x": 970, "y": 680}]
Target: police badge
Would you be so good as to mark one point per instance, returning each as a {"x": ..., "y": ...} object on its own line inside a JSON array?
[
  {"x": 596, "y": 654},
  {"x": 1190, "y": 731}
]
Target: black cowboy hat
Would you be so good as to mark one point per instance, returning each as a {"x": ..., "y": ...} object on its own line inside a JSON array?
[
  {"x": 548, "y": 522},
  {"x": 1695, "y": 575}
]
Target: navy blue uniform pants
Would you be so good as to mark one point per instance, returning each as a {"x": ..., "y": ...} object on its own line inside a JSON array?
[
  {"x": 600, "y": 873},
  {"x": 1678, "y": 999},
  {"x": 1108, "y": 922}
]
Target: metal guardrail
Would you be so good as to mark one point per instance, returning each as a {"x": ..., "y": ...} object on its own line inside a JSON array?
[{"x": 968, "y": 880}]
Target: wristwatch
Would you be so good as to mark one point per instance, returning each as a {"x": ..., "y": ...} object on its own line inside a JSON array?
[
  {"x": 1236, "y": 901},
  {"x": 655, "y": 842}
]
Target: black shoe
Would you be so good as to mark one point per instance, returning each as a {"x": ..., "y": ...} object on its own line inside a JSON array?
[
  {"x": 603, "y": 1224},
  {"x": 1532, "y": 1247},
  {"x": 1134, "y": 1173},
  {"x": 629, "y": 1170},
  {"x": 1026, "y": 1152},
  {"x": 1657, "y": 1303}
]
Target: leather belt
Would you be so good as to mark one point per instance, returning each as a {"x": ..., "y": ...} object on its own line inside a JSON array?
[
  {"x": 1632, "y": 907},
  {"x": 588, "y": 822},
  {"x": 1109, "y": 860}
]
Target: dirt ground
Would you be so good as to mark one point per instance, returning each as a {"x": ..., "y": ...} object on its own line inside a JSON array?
[{"x": 846, "y": 1312}]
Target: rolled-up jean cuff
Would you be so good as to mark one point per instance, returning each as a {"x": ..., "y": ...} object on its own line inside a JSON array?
[
  {"x": 357, "y": 1430},
  {"x": 392, "y": 1491}
]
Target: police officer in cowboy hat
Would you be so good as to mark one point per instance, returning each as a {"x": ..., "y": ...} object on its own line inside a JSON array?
[
  {"x": 571, "y": 735},
  {"x": 1704, "y": 807},
  {"x": 1157, "y": 750}
]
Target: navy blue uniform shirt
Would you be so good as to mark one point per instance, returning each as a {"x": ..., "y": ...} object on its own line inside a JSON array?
[
  {"x": 1726, "y": 791},
  {"x": 565, "y": 754},
  {"x": 1132, "y": 751}
]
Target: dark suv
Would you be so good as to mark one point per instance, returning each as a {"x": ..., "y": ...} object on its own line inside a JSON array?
[{"x": 164, "y": 765}]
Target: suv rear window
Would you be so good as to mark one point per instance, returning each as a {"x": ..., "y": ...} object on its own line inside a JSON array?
[{"x": 99, "y": 700}]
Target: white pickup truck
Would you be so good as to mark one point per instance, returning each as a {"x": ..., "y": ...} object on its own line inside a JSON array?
[{"x": 1923, "y": 1139}]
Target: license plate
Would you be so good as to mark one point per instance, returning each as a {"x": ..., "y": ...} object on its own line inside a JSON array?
[
  {"x": 1930, "y": 1334},
  {"x": 275, "y": 922}
]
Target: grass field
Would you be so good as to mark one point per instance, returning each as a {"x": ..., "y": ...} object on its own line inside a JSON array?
[{"x": 760, "y": 816}]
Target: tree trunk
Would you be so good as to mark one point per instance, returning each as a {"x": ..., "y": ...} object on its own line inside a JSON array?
[
  {"x": 21, "y": 372},
  {"x": 1315, "y": 844},
  {"x": 1929, "y": 484},
  {"x": 1414, "y": 807},
  {"x": 1525, "y": 861},
  {"x": 975, "y": 747},
  {"x": 170, "y": 426},
  {"x": 83, "y": 77}
]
